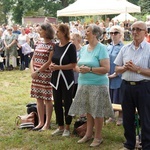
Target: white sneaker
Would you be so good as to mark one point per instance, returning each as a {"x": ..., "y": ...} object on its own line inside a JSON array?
[
  {"x": 26, "y": 69},
  {"x": 57, "y": 132},
  {"x": 66, "y": 133}
]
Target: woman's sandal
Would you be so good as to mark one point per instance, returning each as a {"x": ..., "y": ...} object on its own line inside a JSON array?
[
  {"x": 84, "y": 139},
  {"x": 96, "y": 142}
]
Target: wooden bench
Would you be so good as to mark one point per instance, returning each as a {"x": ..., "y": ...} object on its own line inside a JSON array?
[{"x": 116, "y": 107}]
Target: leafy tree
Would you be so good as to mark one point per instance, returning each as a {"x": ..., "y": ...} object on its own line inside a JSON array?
[
  {"x": 2, "y": 16},
  {"x": 5, "y": 7},
  {"x": 21, "y": 7},
  {"x": 134, "y": 1},
  {"x": 145, "y": 6},
  {"x": 31, "y": 7}
]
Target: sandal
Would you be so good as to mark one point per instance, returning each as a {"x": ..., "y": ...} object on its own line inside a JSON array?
[{"x": 96, "y": 142}]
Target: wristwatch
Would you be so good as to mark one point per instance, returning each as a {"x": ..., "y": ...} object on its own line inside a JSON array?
[
  {"x": 139, "y": 71},
  {"x": 91, "y": 69}
]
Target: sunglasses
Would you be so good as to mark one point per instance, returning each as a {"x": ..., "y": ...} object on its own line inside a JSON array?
[
  {"x": 114, "y": 33},
  {"x": 137, "y": 29}
]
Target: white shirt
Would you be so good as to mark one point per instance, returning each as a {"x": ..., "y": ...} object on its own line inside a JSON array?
[{"x": 140, "y": 57}]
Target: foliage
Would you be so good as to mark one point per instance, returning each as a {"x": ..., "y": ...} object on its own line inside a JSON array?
[
  {"x": 145, "y": 6},
  {"x": 14, "y": 95},
  {"x": 134, "y": 1},
  {"x": 2, "y": 16},
  {"x": 20, "y": 8},
  {"x": 5, "y": 7}
]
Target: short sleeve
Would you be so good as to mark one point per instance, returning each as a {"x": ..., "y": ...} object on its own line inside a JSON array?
[{"x": 103, "y": 53}]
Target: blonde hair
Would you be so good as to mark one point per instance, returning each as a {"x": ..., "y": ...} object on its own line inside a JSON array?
[
  {"x": 118, "y": 29},
  {"x": 77, "y": 36}
]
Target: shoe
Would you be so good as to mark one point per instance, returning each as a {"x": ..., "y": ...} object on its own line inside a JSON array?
[
  {"x": 41, "y": 130},
  {"x": 110, "y": 120},
  {"x": 125, "y": 148},
  {"x": 37, "y": 129},
  {"x": 84, "y": 140},
  {"x": 66, "y": 133},
  {"x": 96, "y": 142},
  {"x": 119, "y": 122},
  {"x": 57, "y": 132},
  {"x": 26, "y": 69}
]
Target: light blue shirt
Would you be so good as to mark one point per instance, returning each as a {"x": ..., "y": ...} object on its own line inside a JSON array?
[
  {"x": 140, "y": 57},
  {"x": 92, "y": 59},
  {"x": 113, "y": 51}
]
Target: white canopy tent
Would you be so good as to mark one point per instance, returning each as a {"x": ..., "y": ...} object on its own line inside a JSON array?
[
  {"x": 124, "y": 16},
  {"x": 98, "y": 7}
]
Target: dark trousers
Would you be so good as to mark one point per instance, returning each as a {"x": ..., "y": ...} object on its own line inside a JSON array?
[
  {"x": 24, "y": 59},
  {"x": 74, "y": 90},
  {"x": 62, "y": 96},
  {"x": 136, "y": 96},
  {"x": 1, "y": 66}
]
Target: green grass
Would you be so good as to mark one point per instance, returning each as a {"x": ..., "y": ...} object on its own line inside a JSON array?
[{"x": 14, "y": 95}]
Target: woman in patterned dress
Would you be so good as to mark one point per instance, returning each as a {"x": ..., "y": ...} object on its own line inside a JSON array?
[{"x": 41, "y": 75}]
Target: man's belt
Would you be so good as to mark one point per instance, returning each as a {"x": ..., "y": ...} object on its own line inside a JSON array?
[{"x": 136, "y": 82}]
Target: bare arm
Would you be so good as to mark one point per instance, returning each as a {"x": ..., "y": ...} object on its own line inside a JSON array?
[
  {"x": 103, "y": 69},
  {"x": 120, "y": 69},
  {"x": 134, "y": 68},
  {"x": 9, "y": 45},
  {"x": 34, "y": 73},
  {"x": 54, "y": 67}
]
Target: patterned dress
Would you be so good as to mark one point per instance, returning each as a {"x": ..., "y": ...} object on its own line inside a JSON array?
[{"x": 40, "y": 87}]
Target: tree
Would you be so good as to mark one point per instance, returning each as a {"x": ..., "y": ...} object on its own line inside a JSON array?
[
  {"x": 31, "y": 8},
  {"x": 2, "y": 16},
  {"x": 20, "y": 8},
  {"x": 134, "y": 1},
  {"x": 5, "y": 6},
  {"x": 145, "y": 6}
]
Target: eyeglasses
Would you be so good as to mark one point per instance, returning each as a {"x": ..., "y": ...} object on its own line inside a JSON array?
[
  {"x": 114, "y": 33},
  {"x": 137, "y": 29}
]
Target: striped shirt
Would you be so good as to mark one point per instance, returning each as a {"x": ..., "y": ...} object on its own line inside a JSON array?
[{"x": 140, "y": 57}]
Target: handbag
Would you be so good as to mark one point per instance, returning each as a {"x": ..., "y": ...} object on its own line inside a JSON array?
[
  {"x": 26, "y": 121},
  {"x": 80, "y": 127},
  {"x": 26, "y": 49},
  {"x": 81, "y": 130}
]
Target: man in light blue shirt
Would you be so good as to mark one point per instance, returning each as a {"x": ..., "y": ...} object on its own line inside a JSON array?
[{"x": 133, "y": 62}]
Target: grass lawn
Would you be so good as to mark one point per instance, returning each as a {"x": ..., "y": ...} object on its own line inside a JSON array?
[{"x": 14, "y": 95}]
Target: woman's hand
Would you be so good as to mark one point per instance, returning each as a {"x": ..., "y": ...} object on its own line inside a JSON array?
[
  {"x": 7, "y": 47},
  {"x": 84, "y": 69},
  {"x": 112, "y": 76},
  {"x": 34, "y": 75},
  {"x": 53, "y": 67}
]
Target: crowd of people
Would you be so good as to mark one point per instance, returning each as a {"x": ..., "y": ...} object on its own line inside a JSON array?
[
  {"x": 18, "y": 38},
  {"x": 85, "y": 68}
]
